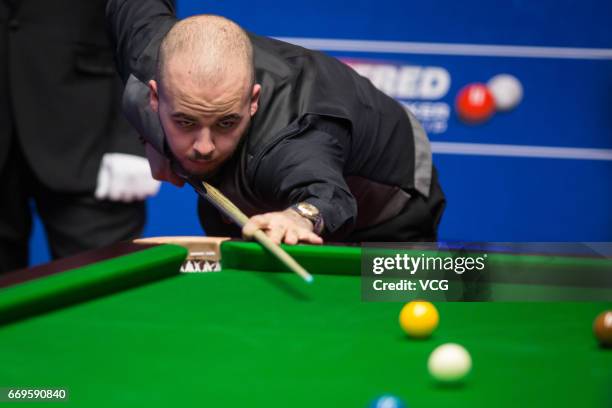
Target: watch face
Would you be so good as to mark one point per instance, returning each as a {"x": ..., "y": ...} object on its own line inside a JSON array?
[
  {"x": 312, "y": 213},
  {"x": 308, "y": 210}
]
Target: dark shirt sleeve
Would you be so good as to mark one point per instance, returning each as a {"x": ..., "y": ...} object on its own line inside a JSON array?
[
  {"x": 136, "y": 28},
  {"x": 309, "y": 167}
]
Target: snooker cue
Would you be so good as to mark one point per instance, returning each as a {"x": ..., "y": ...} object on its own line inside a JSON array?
[{"x": 228, "y": 208}]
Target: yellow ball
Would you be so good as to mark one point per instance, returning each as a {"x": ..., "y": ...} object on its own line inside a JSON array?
[{"x": 419, "y": 319}]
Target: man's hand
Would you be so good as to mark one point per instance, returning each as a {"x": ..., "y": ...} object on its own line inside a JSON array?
[
  {"x": 283, "y": 226},
  {"x": 125, "y": 177},
  {"x": 160, "y": 167}
]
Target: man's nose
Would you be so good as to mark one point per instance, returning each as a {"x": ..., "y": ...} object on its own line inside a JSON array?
[{"x": 203, "y": 144}]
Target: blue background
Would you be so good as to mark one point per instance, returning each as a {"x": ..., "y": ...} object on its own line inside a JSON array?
[{"x": 567, "y": 103}]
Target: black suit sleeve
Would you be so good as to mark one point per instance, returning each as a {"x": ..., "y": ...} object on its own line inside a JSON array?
[
  {"x": 309, "y": 167},
  {"x": 137, "y": 27}
]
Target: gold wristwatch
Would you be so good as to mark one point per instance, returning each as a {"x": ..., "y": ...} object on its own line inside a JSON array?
[{"x": 311, "y": 213}]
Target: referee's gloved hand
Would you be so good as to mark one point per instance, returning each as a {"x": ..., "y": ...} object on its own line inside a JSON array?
[{"x": 126, "y": 178}]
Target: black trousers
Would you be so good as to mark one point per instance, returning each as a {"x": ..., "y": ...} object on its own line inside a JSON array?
[
  {"x": 73, "y": 222},
  {"x": 417, "y": 222}
]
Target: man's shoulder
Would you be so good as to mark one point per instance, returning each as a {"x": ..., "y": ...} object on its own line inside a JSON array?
[
  {"x": 281, "y": 48},
  {"x": 293, "y": 54}
]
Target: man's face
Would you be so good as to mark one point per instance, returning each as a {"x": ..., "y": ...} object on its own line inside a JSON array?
[{"x": 203, "y": 124}]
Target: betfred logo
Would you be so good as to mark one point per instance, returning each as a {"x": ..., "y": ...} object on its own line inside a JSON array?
[
  {"x": 404, "y": 81},
  {"x": 418, "y": 88},
  {"x": 421, "y": 89}
]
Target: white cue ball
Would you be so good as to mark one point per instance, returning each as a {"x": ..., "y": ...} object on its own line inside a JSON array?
[
  {"x": 507, "y": 91},
  {"x": 449, "y": 362}
]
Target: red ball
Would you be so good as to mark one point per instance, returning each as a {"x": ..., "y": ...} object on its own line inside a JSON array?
[{"x": 475, "y": 103}]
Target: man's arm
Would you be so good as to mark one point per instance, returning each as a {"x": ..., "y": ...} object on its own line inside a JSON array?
[
  {"x": 136, "y": 28},
  {"x": 309, "y": 168}
]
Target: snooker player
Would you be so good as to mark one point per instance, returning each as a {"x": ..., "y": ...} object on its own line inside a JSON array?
[{"x": 299, "y": 141}]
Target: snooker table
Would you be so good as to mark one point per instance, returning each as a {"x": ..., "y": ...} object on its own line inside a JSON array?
[{"x": 127, "y": 329}]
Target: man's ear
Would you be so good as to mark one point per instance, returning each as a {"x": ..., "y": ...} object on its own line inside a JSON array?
[
  {"x": 153, "y": 96},
  {"x": 255, "y": 98}
]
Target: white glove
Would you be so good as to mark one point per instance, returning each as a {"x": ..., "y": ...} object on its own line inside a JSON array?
[{"x": 125, "y": 177}]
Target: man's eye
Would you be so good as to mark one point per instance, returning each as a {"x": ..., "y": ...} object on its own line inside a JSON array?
[
  {"x": 226, "y": 124},
  {"x": 184, "y": 123}
]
